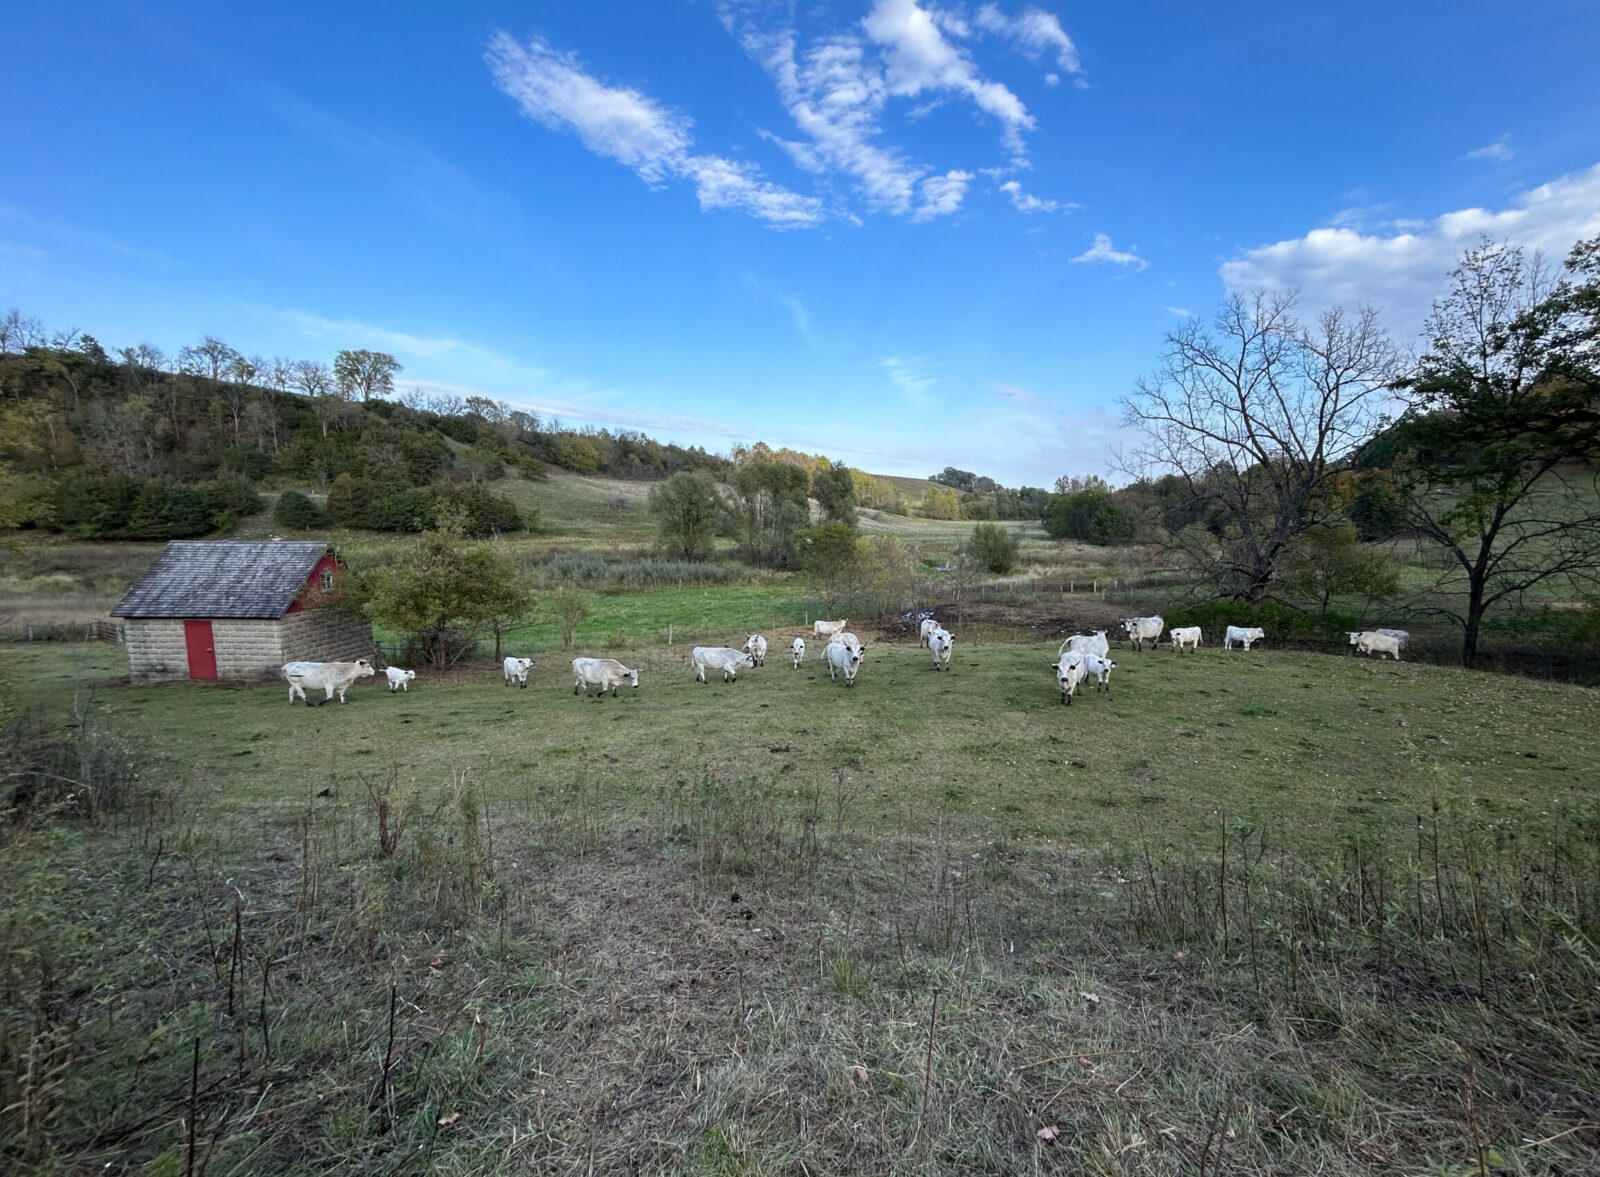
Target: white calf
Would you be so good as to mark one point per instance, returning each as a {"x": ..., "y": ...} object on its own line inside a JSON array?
[
  {"x": 603, "y": 673},
  {"x": 1070, "y": 671},
  {"x": 1140, "y": 630},
  {"x": 826, "y": 629},
  {"x": 1243, "y": 635},
  {"x": 940, "y": 642},
  {"x": 1101, "y": 668},
  {"x": 846, "y": 658},
  {"x": 1182, "y": 636},
  {"x": 756, "y": 646},
  {"x": 798, "y": 649},
  {"x": 723, "y": 658},
  {"x": 330, "y": 676},
  {"x": 516, "y": 670},
  {"x": 928, "y": 626},
  {"x": 399, "y": 678}
]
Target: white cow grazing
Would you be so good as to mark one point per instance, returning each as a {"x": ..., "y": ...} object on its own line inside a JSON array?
[
  {"x": 1369, "y": 642},
  {"x": 1142, "y": 629},
  {"x": 723, "y": 658},
  {"x": 603, "y": 673},
  {"x": 1101, "y": 668},
  {"x": 928, "y": 626},
  {"x": 826, "y": 629},
  {"x": 1070, "y": 671},
  {"x": 846, "y": 658},
  {"x": 331, "y": 676},
  {"x": 756, "y": 646},
  {"x": 516, "y": 671},
  {"x": 1087, "y": 643},
  {"x": 1244, "y": 635},
  {"x": 399, "y": 678},
  {"x": 940, "y": 642},
  {"x": 798, "y": 649},
  {"x": 1185, "y": 635}
]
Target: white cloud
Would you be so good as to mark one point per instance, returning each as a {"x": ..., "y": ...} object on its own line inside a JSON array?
[
  {"x": 636, "y": 131},
  {"x": 913, "y": 375},
  {"x": 839, "y": 89},
  {"x": 1181, "y": 312},
  {"x": 1037, "y": 32},
  {"x": 1401, "y": 272},
  {"x": 1499, "y": 151},
  {"x": 1028, "y": 203},
  {"x": 1102, "y": 251}
]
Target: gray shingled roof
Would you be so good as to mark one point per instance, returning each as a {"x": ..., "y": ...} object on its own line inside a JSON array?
[{"x": 222, "y": 578}]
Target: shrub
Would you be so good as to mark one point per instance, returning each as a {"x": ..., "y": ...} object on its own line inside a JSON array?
[
  {"x": 995, "y": 548},
  {"x": 294, "y": 509},
  {"x": 1089, "y": 516}
]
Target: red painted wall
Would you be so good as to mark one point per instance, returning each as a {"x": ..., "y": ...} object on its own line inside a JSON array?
[{"x": 312, "y": 595}]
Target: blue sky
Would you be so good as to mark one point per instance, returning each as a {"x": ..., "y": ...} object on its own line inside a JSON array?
[{"x": 900, "y": 233}]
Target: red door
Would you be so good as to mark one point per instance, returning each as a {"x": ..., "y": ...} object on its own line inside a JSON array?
[{"x": 202, "y": 654}]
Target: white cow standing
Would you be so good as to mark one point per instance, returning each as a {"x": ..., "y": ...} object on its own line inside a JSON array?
[
  {"x": 798, "y": 649},
  {"x": 1371, "y": 642},
  {"x": 399, "y": 678},
  {"x": 1087, "y": 643},
  {"x": 723, "y": 658},
  {"x": 330, "y": 676},
  {"x": 1244, "y": 635},
  {"x": 846, "y": 658},
  {"x": 1070, "y": 671},
  {"x": 1101, "y": 668},
  {"x": 940, "y": 641},
  {"x": 826, "y": 629},
  {"x": 756, "y": 646},
  {"x": 927, "y": 627},
  {"x": 603, "y": 673},
  {"x": 1143, "y": 629},
  {"x": 516, "y": 671},
  {"x": 1185, "y": 635}
]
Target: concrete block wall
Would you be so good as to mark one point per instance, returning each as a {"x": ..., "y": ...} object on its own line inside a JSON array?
[
  {"x": 313, "y": 635},
  {"x": 155, "y": 649},
  {"x": 248, "y": 649}
]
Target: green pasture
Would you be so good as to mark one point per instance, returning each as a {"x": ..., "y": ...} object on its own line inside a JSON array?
[{"x": 1302, "y": 744}]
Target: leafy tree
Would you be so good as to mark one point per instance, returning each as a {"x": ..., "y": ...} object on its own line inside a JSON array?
[
  {"x": 940, "y": 503},
  {"x": 365, "y": 374},
  {"x": 835, "y": 488},
  {"x": 1089, "y": 516},
  {"x": 955, "y": 479},
  {"x": 685, "y": 507},
  {"x": 1494, "y": 458},
  {"x": 994, "y": 548},
  {"x": 294, "y": 509},
  {"x": 1332, "y": 563},
  {"x": 767, "y": 506},
  {"x": 572, "y": 607},
  {"x": 1254, "y": 414},
  {"x": 831, "y": 552},
  {"x": 444, "y": 590}
]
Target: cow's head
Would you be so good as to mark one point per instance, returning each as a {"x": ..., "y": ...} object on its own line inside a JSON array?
[
  {"x": 633, "y": 677},
  {"x": 366, "y": 670}
]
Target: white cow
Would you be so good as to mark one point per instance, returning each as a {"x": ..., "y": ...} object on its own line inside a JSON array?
[
  {"x": 928, "y": 626},
  {"x": 516, "y": 671},
  {"x": 1140, "y": 630},
  {"x": 1101, "y": 668},
  {"x": 1244, "y": 635},
  {"x": 798, "y": 649},
  {"x": 1399, "y": 635},
  {"x": 1087, "y": 643},
  {"x": 940, "y": 642},
  {"x": 756, "y": 646},
  {"x": 1070, "y": 671},
  {"x": 399, "y": 678},
  {"x": 826, "y": 629},
  {"x": 846, "y": 658},
  {"x": 723, "y": 658},
  {"x": 1369, "y": 642},
  {"x": 1185, "y": 635},
  {"x": 603, "y": 673},
  {"x": 331, "y": 676}
]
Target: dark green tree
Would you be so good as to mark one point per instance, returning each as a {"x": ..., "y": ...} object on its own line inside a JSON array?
[
  {"x": 994, "y": 548},
  {"x": 294, "y": 509},
  {"x": 1089, "y": 516},
  {"x": 834, "y": 487},
  {"x": 685, "y": 507},
  {"x": 767, "y": 505},
  {"x": 831, "y": 551}
]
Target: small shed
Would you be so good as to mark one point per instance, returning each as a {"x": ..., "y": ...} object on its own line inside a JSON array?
[{"x": 230, "y": 609}]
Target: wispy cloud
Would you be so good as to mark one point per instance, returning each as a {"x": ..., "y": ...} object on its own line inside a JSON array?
[
  {"x": 839, "y": 89},
  {"x": 1402, "y": 271},
  {"x": 553, "y": 89},
  {"x": 66, "y": 231},
  {"x": 1037, "y": 33},
  {"x": 912, "y": 375},
  {"x": 1102, "y": 251},
  {"x": 1181, "y": 312},
  {"x": 1027, "y": 203},
  {"x": 1499, "y": 151}
]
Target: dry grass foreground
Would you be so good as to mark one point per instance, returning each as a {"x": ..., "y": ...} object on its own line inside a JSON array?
[{"x": 648, "y": 955}]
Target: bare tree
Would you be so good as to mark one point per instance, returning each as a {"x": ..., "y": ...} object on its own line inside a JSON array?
[
  {"x": 19, "y": 332},
  {"x": 210, "y": 358},
  {"x": 1253, "y": 413}
]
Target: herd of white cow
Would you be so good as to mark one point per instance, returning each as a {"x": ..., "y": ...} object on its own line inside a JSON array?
[{"x": 1080, "y": 657}]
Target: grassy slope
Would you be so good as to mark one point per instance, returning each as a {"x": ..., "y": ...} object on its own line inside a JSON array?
[{"x": 1297, "y": 742}]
